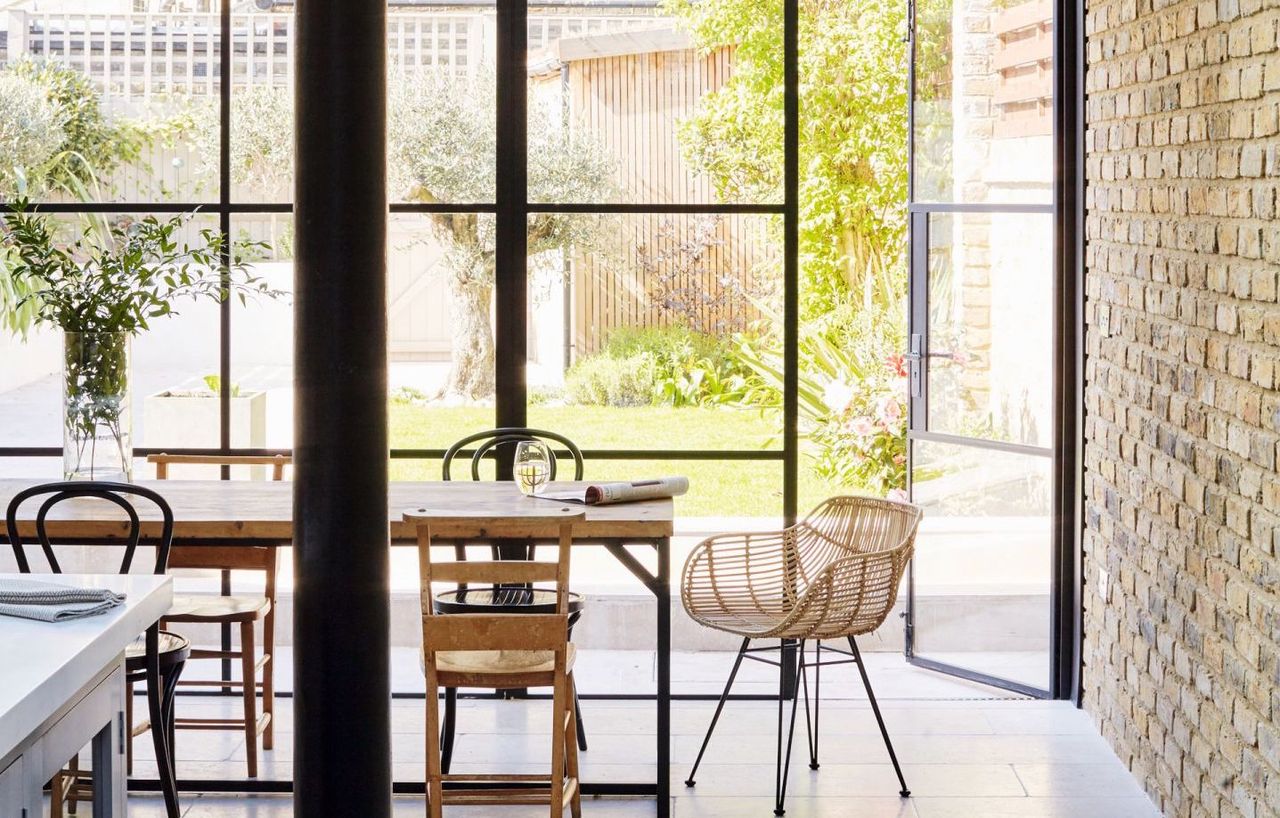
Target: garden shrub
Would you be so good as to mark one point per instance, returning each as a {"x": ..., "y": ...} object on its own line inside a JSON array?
[
  {"x": 602, "y": 380},
  {"x": 852, "y": 395},
  {"x": 90, "y": 144},
  {"x": 690, "y": 368},
  {"x": 30, "y": 130}
]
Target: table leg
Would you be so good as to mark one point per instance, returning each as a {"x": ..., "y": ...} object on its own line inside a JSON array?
[
  {"x": 108, "y": 763},
  {"x": 662, "y": 592}
]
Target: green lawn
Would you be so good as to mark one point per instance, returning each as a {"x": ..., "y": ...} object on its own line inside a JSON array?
[{"x": 728, "y": 488}]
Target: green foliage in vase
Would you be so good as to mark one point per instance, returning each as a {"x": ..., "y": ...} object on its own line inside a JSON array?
[
  {"x": 95, "y": 395},
  {"x": 104, "y": 287},
  {"x": 120, "y": 278}
]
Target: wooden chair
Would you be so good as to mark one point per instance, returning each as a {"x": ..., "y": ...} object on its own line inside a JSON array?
[
  {"x": 156, "y": 658},
  {"x": 231, "y": 611},
  {"x": 519, "y": 599},
  {"x": 500, "y": 651},
  {"x": 833, "y": 575}
]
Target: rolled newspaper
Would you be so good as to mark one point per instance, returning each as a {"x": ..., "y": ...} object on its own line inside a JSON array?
[{"x": 599, "y": 494}]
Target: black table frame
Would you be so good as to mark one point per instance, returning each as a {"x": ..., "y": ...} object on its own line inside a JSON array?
[{"x": 658, "y": 584}]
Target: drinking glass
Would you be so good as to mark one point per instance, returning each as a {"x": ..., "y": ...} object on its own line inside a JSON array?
[{"x": 532, "y": 468}]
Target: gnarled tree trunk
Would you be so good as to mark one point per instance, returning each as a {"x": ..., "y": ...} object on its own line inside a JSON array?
[{"x": 471, "y": 352}]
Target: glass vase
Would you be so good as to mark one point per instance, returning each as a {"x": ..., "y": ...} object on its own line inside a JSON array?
[{"x": 97, "y": 427}]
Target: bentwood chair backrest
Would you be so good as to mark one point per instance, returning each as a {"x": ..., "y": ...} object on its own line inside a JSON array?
[
  {"x": 491, "y": 439},
  {"x": 118, "y": 494}
]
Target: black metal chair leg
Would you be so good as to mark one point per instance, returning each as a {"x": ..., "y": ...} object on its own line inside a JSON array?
[
  {"x": 170, "y": 687},
  {"x": 448, "y": 728},
  {"x": 737, "y": 663},
  {"x": 577, "y": 717},
  {"x": 811, "y": 721},
  {"x": 159, "y": 734},
  {"x": 875, "y": 708},
  {"x": 784, "y": 762},
  {"x": 817, "y": 702}
]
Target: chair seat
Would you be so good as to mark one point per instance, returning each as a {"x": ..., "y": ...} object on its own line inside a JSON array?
[
  {"x": 753, "y": 624},
  {"x": 499, "y": 668},
  {"x": 217, "y": 608},
  {"x": 501, "y": 600},
  {"x": 174, "y": 648}
]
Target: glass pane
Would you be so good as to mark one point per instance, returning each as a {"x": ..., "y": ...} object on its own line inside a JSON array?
[
  {"x": 644, "y": 105},
  {"x": 982, "y": 569},
  {"x": 990, "y": 372},
  {"x": 440, "y": 294},
  {"x": 175, "y": 354},
  {"x": 262, "y": 105},
  {"x": 262, "y": 339},
  {"x": 119, "y": 105},
  {"x": 441, "y": 108},
  {"x": 983, "y": 101},
  {"x": 636, "y": 325}
]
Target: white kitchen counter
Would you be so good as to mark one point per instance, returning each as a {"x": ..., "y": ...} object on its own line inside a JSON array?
[{"x": 47, "y": 669}]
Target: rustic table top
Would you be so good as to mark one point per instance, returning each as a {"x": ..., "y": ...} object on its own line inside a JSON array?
[{"x": 230, "y": 510}]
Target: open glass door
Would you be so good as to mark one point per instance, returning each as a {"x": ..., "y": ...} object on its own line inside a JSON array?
[{"x": 982, "y": 333}]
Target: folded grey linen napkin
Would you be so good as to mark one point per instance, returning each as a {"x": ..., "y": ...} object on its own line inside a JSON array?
[{"x": 52, "y": 602}]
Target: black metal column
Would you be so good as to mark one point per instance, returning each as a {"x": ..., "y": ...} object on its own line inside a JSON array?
[
  {"x": 512, "y": 228},
  {"x": 342, "y": 700}
]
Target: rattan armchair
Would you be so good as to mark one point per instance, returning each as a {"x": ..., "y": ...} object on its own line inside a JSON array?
[{"x": 833, "y": 575}]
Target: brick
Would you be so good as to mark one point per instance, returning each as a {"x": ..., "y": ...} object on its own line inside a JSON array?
[{"x": 1182, "y": 427}]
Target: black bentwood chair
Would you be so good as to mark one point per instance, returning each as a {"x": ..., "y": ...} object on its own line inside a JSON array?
[
  {"x": 503, "y": 599},
  {"x": 155, "y": 658}
]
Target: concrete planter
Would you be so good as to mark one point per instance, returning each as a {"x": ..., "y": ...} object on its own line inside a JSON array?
[{"x": 184, "y": 419}]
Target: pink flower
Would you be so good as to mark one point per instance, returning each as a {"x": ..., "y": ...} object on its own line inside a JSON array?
[
  {"x": 888, "y": 410},
  {"x": 862, "y": 426},
  {"x": 898, "y": 364},
  {"x": 897, "y": 495},
  {"x": 899, "y": 459}
]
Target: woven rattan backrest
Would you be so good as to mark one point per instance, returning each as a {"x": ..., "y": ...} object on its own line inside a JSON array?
[{"x": 835, "y": 573}]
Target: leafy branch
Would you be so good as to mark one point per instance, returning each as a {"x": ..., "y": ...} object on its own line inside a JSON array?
[{"x": 118, "y": 278}]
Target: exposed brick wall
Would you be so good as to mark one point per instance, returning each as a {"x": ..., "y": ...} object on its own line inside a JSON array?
[{"x": 1183, "y": 339}]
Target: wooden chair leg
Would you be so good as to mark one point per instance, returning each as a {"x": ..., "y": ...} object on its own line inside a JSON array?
[
  {"x": 248, "y": 676},
  {"x": 435, "y": 789},
  {"x": 560, "y": 711},
  {"x": 268, "y": 678},
  {"x": 58, "y": 792}
]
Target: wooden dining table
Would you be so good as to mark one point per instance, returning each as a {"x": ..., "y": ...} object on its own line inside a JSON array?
[{"x": 254, "y": 513}]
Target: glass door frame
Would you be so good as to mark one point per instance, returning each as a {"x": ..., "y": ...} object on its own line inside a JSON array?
[{"x": 1066, "y": 594}]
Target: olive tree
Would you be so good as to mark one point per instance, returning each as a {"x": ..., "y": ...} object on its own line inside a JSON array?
[
  {"x": 30, "y": 131},
  {"x": 442, "y": 144}
]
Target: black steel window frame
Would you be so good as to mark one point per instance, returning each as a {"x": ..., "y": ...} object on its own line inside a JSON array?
[
  {"x": 1066, "y": 450},
  {"x": 511, "y": 208}
]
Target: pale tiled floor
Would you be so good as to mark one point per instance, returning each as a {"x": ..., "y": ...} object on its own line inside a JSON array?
[{"x": 967, "y": 751}]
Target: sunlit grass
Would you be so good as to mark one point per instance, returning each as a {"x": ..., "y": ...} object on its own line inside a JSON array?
[{"x": 716, "y": 488}]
